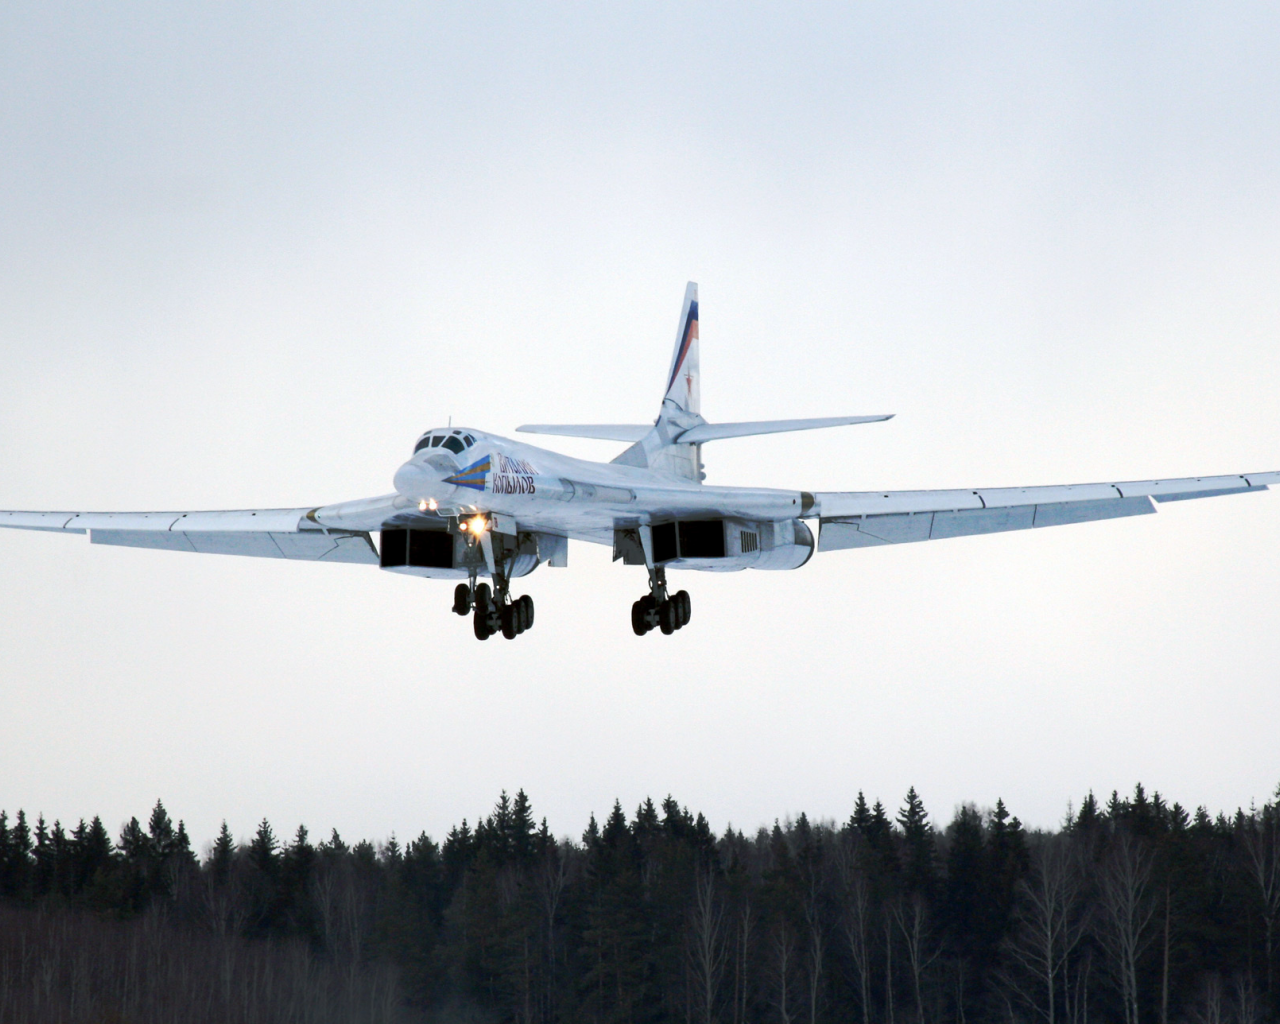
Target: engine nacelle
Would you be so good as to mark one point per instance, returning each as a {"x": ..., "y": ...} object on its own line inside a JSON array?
[
  {"x": 721, "y": 545},
  {"x": 448, "y": 555},
  {"x": 792, "y": 545}
]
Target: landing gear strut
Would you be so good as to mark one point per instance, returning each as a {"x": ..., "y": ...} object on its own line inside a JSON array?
[
  {"x": 656, "y": 608},
  {"x": 495, "y": 610}
]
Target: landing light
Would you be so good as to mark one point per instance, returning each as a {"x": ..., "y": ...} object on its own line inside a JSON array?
[
  {"x": 477, "y": 525},
  {"x": 428, "y": 503}
]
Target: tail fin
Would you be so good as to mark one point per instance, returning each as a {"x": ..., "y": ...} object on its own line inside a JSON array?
[
  {"x": 682, "y": 380},
  {"x": 681, "y": 405}
]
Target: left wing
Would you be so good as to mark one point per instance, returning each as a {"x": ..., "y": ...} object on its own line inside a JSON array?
[
  {"x": 333, "y": 533},
  {"x": 856, "y": 519}
]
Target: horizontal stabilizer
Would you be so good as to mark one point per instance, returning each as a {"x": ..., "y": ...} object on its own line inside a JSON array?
[
  {"x": 716, "y": 431},
  {"x": 600, "y": 431}
]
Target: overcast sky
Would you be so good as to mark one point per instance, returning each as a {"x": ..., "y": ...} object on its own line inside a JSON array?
[{"x": 248, "y": 252}]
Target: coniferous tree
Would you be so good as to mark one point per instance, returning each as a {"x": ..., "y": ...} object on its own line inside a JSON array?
[
  {"x": 656, "y": 919},
  {"x": 222, "y": 855}
]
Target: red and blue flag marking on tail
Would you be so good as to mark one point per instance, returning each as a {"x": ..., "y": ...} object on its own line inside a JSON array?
[{"x": 688, "y": 336}]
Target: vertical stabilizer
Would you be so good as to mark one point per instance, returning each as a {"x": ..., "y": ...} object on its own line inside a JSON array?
[
  {"x": 682, "y": 380},
  {"x": 681, "y": 406}
]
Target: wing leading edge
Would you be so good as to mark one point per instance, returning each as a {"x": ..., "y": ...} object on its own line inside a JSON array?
[{"x": 855, "y": 519}]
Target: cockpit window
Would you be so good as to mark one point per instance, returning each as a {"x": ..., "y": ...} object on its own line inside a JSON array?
[{"x": 457, "y": 442}]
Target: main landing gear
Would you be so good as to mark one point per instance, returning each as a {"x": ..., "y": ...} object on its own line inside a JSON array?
[
  {"x": 656, "y": 608},
  {"x": 494, "y": 611}
]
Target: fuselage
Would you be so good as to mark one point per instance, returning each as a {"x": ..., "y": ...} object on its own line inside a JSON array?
[{"x": 550, "y": 491}]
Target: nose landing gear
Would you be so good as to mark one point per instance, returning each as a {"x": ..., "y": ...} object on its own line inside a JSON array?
[
  {"x": 495, "y": 611},
  {"x": 657, "y": 609}
]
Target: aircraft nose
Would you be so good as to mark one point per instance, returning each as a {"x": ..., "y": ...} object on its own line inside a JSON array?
[{"x": 416, "y": 480}]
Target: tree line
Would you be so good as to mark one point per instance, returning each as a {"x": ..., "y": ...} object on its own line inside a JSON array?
[{"x": 1134, "y": 910}]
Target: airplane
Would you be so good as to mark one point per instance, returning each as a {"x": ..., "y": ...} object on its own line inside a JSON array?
[{"x": 471, "y": 506}]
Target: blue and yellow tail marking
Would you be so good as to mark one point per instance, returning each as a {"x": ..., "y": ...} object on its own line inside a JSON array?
[{"x": 473, "y": 476}]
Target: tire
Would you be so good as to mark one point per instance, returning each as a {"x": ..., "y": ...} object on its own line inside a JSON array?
[
  {"x": 484, "y": 596},
  {"x": 526, "y": 612},
  {"x": 510, "y": 622},
  {"x": 638, "y": 625},
  {"x": 685, "y": 608},
  {"x": 668, "y": 617},
  {"x": 481, "y": 623},
  {"x": 461, "y": 599},
  {"x": 648, "y": 603}
]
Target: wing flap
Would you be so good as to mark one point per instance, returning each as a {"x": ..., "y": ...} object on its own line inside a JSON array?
[{"x": 308, "y": 545}]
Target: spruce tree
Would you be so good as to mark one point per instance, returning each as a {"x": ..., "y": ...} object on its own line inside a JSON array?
[
  {"x": 160, "y": 831},
  {"x": 522, "y": 829},
  {"x": 918, "y": 845},
  {"x": 222, "y": 855},
  {"x": 262, "y": 849}
]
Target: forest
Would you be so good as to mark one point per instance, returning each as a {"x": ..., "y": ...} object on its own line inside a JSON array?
[{"x": 1133, "y": 911}]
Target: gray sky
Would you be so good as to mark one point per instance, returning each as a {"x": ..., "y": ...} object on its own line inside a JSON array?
[{"x": 248, "y": 252}]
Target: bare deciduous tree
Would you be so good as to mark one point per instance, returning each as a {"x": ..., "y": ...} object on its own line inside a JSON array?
[
  {"x": 1126, "y": 908},
  {"x": 1260, "y": 839},
  {"x": 1050, "y": 922},
  {"x": 912, "y": 918},
  {"x": 855, "y": 916},
  {"x": 783, "y": 946},
  {"x": 706, "y": 942}
]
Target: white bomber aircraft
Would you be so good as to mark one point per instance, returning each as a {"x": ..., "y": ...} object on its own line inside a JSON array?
[{"x": 469, "y": 506}]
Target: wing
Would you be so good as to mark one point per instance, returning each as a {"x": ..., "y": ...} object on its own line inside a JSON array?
[
  {"x": 331, "y": 533},
  {"x": 716, "y": 431},
  {"x": 856, "y": 519},
  {"x": 599, "y": 431}
]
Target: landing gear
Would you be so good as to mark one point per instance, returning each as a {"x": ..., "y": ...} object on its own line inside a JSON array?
[
  {"x": 656, "y": 608},
  {"x": 461, "y": 599},
  {"x": 486, "y": 612},
  {"x": 495, "y": 611}
]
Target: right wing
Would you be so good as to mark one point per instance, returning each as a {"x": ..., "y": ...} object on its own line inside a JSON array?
[
  {"x": 857, "y": 519},
  {"x": 331, "y": 533}
]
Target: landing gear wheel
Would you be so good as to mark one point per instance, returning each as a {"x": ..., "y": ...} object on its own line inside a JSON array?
[
  {"x": 480, "y": 623},
  {"x": 461, "y": 599},
  {"x": 525, "y": 604},
  {"x": 510, "y": 622},
  {"x": 638, "y": 624},
  {"x": 684, "y": 607},
  {"x": 484, "y": 596},
  {"x": 668, "y": 617}
]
